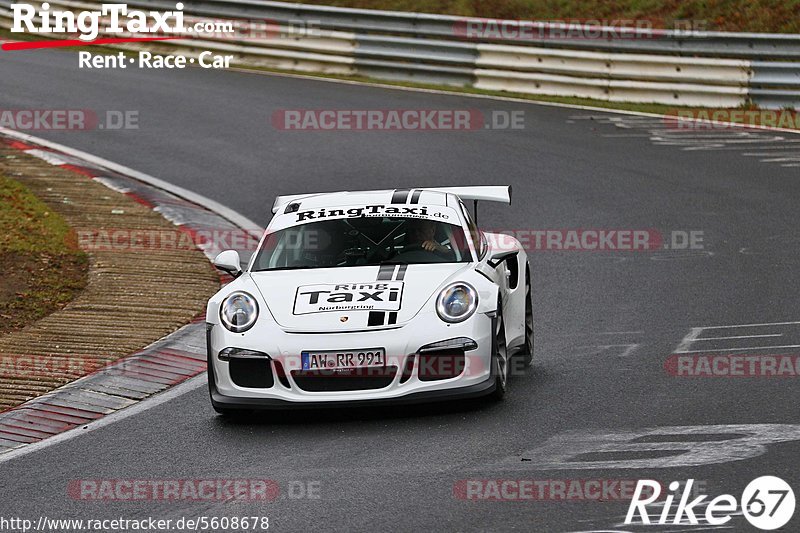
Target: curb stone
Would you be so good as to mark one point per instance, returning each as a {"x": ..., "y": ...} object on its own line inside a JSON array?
[{"x": 161, "y": 365}]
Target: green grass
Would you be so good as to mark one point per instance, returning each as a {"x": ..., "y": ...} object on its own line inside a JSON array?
[
  {"x": 28, "y": 225},
  {"x": 43, "y": 267}
]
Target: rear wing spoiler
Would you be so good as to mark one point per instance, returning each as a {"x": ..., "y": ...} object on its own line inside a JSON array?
[{"x": 489, "y": 193}]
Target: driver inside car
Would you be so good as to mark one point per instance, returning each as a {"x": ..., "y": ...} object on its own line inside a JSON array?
[{"x": 421, "y": 233}]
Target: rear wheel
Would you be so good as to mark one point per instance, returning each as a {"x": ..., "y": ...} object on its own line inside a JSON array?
[
  {"x": 528, "y": 353},
  {"x": 500, "y": 357}
]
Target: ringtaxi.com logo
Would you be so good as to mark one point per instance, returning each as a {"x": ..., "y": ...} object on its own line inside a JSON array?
[
  {"x": 767, "y": 502},
  {"x": 118, "y": 20}
]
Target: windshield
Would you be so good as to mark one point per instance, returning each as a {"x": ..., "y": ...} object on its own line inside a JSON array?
[{"x": 362, "y": 241}]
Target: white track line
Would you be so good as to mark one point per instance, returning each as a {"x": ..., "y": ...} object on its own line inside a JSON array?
[
  {"x": 688, "y": 340},
  {"x": 771, "y": 154},
  {"x": 739, "y": 337},
  {"x": 742, "y": 349},
  {"x": 751, "y": 325}
]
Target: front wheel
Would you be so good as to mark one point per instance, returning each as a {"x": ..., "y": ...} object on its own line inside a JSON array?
[
  {"x": 500, "y": 358},
  {"x": 224, "y": 411},
  {"x": 237, "y": 415},
  {"x": 528, "y": 353}
]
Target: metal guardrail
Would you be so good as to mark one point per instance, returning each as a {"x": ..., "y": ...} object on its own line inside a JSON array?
[
  {"x": 631, "y": 65},
  {"x": 422, "y": 25}
]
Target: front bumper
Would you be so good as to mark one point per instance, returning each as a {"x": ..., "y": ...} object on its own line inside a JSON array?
[
  {"x": 473, "y": 391},
  {"x": 401, "y": 344}
]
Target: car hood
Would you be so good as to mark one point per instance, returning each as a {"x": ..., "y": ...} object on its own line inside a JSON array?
[{"x": 351, "y": 298}]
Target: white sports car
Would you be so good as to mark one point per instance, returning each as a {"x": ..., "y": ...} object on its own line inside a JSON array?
[{"x": 370, "y": 297}]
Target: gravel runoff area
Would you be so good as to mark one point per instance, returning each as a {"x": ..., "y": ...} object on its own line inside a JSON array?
[{"x": 135, "y": 295}]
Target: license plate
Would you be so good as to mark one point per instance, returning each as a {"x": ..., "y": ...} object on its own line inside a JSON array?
[{"x": 343, "y": 359}]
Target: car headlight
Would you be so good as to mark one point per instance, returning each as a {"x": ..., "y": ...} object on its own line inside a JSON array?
[
  {"x": 238, "y": 312},
  {"x": 457, "y": 302}
]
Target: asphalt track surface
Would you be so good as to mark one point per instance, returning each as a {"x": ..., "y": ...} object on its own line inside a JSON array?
[{"x": 605, "y": 321}]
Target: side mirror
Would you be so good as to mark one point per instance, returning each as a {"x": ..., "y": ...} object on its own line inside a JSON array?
[
  {"x": 229, "y": 262},
  {"x": 499, "y": 257}
]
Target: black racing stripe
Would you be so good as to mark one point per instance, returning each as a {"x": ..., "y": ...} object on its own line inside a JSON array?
[
  {"x": 401, "y": 272},
  {"x": 376, "y": 318},
  {"x": 415, "y": 196},
  {"x": 399, "y": 196},
  {"x": 385, "y": 272}
]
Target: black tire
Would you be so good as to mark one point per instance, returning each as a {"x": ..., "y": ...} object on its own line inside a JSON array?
[
  {"x": 500, "y": 358},
  {"x": 528, "y": 352}
]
